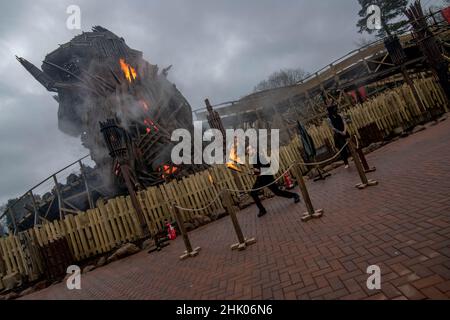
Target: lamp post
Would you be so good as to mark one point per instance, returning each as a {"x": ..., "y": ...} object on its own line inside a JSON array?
[{"x": 116, "y": 141}]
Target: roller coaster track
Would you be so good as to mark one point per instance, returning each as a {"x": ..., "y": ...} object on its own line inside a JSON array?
[{"x": 369, "y": 63}]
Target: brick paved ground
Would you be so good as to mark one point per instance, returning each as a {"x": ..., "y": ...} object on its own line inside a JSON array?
[{"x": 402, "y": 225}]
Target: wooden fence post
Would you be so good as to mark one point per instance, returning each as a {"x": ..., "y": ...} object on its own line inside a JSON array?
[
  {"x": 189, "y": 251},
  {"x": 311, "y": 213},
  {"x": 364, "y": 181},
  {"x": 364, "y": 163},
  {"x": 227, "y": 203}
]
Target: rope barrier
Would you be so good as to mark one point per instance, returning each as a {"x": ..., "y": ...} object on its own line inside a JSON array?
[
  {"x": 265, "y": 186},
  {"x": 203, "y": 208}
]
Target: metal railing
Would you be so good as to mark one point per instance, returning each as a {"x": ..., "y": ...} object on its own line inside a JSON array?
[{"x": 33, "y": 202}]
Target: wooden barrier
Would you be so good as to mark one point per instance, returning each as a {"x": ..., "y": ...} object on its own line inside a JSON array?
[{"x": 114, "y": 223}]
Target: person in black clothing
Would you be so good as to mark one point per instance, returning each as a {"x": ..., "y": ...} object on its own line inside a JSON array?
[
  {"x": 340, "y": 131},
  {"x": 265, "y": 179}
]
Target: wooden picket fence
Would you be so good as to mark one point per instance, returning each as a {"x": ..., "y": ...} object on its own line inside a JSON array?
[{"x": 114, "y": 222}]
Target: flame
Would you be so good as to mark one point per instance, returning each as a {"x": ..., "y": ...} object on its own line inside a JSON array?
[
  {"x": 210, "y": 178},
  {"x": 233, "y": 166},
  {"x": 167, "y": 170},
  {"x": 128, "y": 71},
  {"x": 150, "y": 124},
  {"x": 234, "y": 158}
]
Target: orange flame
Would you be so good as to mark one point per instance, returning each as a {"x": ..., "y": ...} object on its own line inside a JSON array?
[
  {"x": 167, "y": 170},
  {"x": 150, "y": 124},
  {"x": 128, "y": 71},
  {"x": 234, "y": 158}
]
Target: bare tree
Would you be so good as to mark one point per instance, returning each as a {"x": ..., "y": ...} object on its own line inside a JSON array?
[{"x": 282, "y": 78}]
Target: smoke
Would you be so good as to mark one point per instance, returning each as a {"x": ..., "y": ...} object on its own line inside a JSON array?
[{"x": 120, "y": 85}]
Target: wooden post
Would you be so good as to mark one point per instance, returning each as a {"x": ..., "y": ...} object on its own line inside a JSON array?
[
  {"x": 125, "y": 170},
  {"x": 58, "y": 194},
  {"x": 189, "y": 251},
  {"x": 227, "y": 203},
  {"x": 364, "y": 181},
  {"x": 215, "y": 122},
  {"x": 362, "y": 157},
  {"x": 311, "y": 213},
  {"x": 86, "y": 185},
  {"x": 35, "y": 209}
]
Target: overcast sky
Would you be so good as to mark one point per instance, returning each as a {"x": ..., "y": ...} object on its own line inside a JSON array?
[{"x": 219, "y": 49}]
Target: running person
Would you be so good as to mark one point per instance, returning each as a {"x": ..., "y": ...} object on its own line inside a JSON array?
[{"x": 263, "y": 179}]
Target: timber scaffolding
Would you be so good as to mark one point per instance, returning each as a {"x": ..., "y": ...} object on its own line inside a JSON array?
[{"x": 370, "y": 66}]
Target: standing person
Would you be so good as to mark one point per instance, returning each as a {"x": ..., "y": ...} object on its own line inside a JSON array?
[
  {"x": 340, "y": 131},
  {"x": 263, "y": 179}
]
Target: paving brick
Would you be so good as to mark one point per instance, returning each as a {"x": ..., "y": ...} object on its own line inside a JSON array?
[
  {"x": 389, "y": 290},
  {"x": 434, "y": 293},
  {"x": 410, "y": 292},
  {"x": 428, "y": 282}
]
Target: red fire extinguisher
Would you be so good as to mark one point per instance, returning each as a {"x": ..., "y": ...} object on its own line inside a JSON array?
[
  {"x": 288, "y": 181},
  {"x": 171, "y": 233}
]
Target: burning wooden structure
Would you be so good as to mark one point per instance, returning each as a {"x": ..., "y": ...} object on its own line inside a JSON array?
[{"x": 96, "y": 77}]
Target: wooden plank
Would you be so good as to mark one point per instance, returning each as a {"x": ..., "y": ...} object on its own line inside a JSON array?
[
  {"x": 150, "y": 209},
  {"x": 80, "y": 232},
  {"x": 21, "y": 256},
  {"x": 15, "y": 255},
  {"x": 132, "y": 219},
  {"x": 125, "y": 214},
  {"x": 88, "y": 233},
  {"x": 111, "y": 218},
  {"x": 94, "y": 231},
  {"x": 37, "y": 234},
  {"x": 162, "y": 211},
  {"x": 6, "y": 256},
  {"x": 48, "y": 232},
  {"x": 103, "y": 238},
  {"x": 71, "y": 237},
  {"x": 107, "y": 226},
  {"x": 118, "y": 220}
]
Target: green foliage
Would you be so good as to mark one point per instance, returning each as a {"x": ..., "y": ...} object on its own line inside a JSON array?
[{"x": 392, "y": 17}]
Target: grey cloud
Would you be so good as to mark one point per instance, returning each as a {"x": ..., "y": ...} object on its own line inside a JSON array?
[{"x": 219, "y": 49}]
